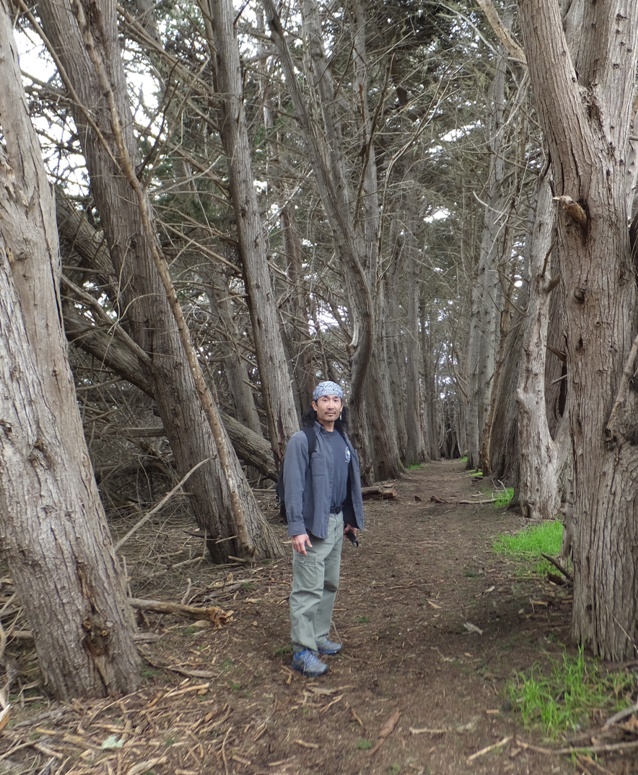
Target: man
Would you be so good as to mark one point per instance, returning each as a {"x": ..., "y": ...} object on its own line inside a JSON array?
[{"x": 323, "y": 502}]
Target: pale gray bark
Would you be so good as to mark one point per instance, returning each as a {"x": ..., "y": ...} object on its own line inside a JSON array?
[
  {"x": 541, "y": 457},
  {"x": 53, "y": 529},
  {"x": 395, "y": 340},
  {"x": 377, "y": 390},
  {"x": 487, "y": 294},
  {"x": 273, "y": 368},
  {"x": 299, "y": 343},
  {"x": 415, "y": 451}
]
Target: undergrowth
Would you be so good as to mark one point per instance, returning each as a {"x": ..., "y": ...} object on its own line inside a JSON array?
[
  {"x": 503, "y": 497},
  {"x": 529, "y": 544},
  {"x": 562, "y": 698}
]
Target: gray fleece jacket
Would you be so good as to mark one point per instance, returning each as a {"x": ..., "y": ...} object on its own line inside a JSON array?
[{"x": 308, "y": 488}]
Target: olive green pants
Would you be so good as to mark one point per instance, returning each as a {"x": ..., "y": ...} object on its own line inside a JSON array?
[{"x": 315, "y": 580}]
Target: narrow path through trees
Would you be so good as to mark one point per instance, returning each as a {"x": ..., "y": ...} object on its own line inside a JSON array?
[{"x": 433, "y": 625}]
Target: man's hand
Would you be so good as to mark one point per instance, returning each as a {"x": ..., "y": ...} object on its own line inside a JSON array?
[
  {"x": 351, "y": 532},
  {"x": 299, "y": 543}
]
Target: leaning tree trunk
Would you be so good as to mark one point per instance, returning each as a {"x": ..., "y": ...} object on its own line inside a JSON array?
[
  {"x": 112, "y": 346},
  {"x": 295, "y": 301},
  {"x": 333, "y": 190},
  {"x": 52, "y": 526},
  {"x": 586, "y": 113},
  {"x": 131, "y": 365},
  {"x": 273, "y": 367},
  {"x": 222, "y": 501}
]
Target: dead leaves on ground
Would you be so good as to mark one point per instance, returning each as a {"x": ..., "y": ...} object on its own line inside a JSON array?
[{"x": 145, "y": 728}]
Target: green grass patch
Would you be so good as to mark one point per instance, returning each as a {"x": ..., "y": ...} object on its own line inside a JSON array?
[
  {"x": 502, "y": 497},
  {"x": 529, "y": 544},
  {"x": 561, "y": 698},
  {"x": 363, "y": 744}
]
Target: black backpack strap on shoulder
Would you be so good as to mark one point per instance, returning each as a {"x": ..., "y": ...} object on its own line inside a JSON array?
[{"x": 312, "y": 439}]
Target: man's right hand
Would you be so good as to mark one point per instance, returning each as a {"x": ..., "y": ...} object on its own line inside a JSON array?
[{"x": 299, "y": 543}]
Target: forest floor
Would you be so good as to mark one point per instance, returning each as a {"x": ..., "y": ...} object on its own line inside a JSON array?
[{"x": 433, "y": 625}]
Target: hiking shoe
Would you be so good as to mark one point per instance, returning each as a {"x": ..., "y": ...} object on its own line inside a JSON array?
[
  {"x": 308, "y": 663},
  {"x": 328, "y": 648}
]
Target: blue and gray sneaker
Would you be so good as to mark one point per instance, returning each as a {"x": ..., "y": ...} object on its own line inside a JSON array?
[
  {"x": 308, "y": 663},
  {"x": 328, "y": 648}
]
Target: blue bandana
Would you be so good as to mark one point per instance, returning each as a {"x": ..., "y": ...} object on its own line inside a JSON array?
[{"x": 327, "y": 389}]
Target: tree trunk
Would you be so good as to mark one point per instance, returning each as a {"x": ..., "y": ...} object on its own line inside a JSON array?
[
  {"x": 223, "y": 503},
  {"x": 235, "y": 369},
  {"x": 300, "y": 338},
  {"x": 586, "y": 114},
  {"x": 487, "y": 296},
  {"x": 113, "y": 347},
  {"x": 541, "y": 457},
  {"x": 250, "y": 447},
  {"x": 278, "y": 399},
  {"x": 377, "y": 391},
  {"x": 53, "y": 529},
  {"x": 432, "y": 417},
  {"x": 349, "y": 224},
  {"x": 395, "y": 340},
  {"x": 415, "y": 451}
]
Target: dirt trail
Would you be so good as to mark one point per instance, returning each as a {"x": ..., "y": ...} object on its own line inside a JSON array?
[{"x": 433, "y": 624}]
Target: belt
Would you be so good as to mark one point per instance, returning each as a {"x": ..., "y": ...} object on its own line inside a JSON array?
[{"x": 336, "y": 509}]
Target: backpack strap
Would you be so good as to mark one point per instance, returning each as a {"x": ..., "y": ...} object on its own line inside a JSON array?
[{"x": 309, "y": 430}]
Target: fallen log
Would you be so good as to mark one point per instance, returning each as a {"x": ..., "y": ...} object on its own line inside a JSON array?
[
  {"x": 213, "y": 614},
  {"x": 380, "y": 492}
]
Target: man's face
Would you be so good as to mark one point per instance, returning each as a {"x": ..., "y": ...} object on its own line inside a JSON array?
[{"x": 328, "y": 408}]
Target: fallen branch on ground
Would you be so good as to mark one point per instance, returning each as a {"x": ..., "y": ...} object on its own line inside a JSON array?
[
  {"x": 489, "y": 748},
  {"x": 213, "y": 614},
  {"x": 558, "y": 566},
  {"x": 379, "y": 491},
  {"x": 436, "y": 499},
  {"x": 586, "y": 749},
  {"x": 386, "y": 730}
]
